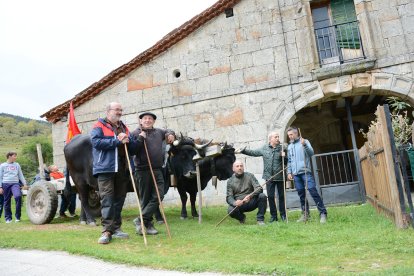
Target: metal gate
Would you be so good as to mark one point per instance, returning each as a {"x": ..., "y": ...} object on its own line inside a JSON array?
[{"x": 336, "y": 176}]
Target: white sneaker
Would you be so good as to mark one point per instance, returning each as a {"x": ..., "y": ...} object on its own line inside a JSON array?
[
  {"x": 8, "y": 221},
  {"x": 17, "y": 220}
]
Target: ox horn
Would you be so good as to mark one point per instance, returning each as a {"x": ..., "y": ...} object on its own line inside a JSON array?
[
  {"x": 178, "y": 141},
  {"x": 224, "y": 146},
  {"x": 199, "y": 147}
]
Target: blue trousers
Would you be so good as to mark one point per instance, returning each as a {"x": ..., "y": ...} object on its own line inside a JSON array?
[
  {"x": 65, "y": 205},
  {"x": 300, "y": 182},
  {"x": 10, "y": 189},
  {"x": 1, "y": 204}
]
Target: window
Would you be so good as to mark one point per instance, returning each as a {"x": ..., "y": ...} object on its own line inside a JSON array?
[{"x": 336, "y": 31}]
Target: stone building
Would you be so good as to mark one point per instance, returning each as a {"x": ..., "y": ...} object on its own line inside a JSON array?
[{"x": 243, "y": 68}]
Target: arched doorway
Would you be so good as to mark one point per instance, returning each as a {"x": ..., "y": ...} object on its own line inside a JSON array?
[{"x": 334, "y": 129}]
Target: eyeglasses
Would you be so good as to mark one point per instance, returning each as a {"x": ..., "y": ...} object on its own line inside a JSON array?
[{"x": 117, "y": 109}]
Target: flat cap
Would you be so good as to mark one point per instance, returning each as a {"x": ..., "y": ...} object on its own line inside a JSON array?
[{"x": 148, "y": 113}]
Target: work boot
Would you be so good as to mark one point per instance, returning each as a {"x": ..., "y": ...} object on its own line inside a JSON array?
[
  {"x": 272, "y": 219},
  {"x": 323, "y": 218},
  {"x": 303, "y": 218},
  {"x": 105, "y": 238},
  {"x": 119, "y": 234},
  {"x": 151, "y": 229},
  {"x": 261, "y": 223},
  {"x": 243, "y": 219}
]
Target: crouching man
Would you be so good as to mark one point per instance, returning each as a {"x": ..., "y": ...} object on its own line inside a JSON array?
[{"x": 244, "y": 194}]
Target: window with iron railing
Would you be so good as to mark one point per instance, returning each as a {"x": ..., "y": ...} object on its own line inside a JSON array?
[{"x": 337, "y": 35}]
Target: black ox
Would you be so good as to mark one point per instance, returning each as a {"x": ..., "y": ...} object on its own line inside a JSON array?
[
  {"x": 181, "y": 164},
  {"x": 79, "y": 162}
]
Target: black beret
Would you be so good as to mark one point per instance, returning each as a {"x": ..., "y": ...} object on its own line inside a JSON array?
[{"x": 148, "y": 113}]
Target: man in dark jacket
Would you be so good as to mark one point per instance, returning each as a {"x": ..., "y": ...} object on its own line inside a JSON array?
[
  {"x": 154, "y": 138},
  {"x": 245, "y": 194},
  {"x": 111, "y": 168},
  {"x": 273, "y": 156}
]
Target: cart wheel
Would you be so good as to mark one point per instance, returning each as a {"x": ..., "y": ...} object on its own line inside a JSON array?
[{"x": 42, "y": 202}]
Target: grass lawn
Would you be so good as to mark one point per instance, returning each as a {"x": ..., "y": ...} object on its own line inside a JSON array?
[{"x": 355, "y": 239}]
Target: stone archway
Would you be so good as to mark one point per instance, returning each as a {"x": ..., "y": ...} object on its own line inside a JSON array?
[
  {"x": 314, "y": 96},
  {"x": 317, "y": 92}
]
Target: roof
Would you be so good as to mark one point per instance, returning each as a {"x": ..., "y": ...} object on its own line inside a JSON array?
[{"x": 54, "y": 114}]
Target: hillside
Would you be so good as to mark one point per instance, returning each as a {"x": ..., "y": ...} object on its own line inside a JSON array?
[{"x": 17, "y": 132}]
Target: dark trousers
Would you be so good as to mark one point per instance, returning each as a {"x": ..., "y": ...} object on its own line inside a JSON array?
[
  {"x": 112, "y": 191},
  {"x": 148, "y": 194},
  {"x": 271, "y": 187},
  {"x": 68, "y": 205},
  {"x": 259, "y": 202},
  {"x": 1, "y": 204},
  {"x": 10, "y": 189},
  {"x": 300, "y": 183}
]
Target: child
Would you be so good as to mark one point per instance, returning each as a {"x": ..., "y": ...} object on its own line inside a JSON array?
[{"x": 11, "y": 179}]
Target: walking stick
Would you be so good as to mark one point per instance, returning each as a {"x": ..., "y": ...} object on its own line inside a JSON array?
[
  {"x": 156, "y": 189},
  {"x": 284, "y": 185},
  {"x": 306, "y": 178},
  {"x": 261, "y": 186},
  {"x": 135, "y": 191}
]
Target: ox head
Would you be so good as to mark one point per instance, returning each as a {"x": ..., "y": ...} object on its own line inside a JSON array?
[
  {"x": 182, "y": 154},
  {"x": 224, "y": 162}
]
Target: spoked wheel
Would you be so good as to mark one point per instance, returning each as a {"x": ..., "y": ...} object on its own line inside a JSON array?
[{"x": 42, "y": 202}]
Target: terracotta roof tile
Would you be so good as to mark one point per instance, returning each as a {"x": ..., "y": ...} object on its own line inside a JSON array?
[{"x": 54, "y": 114}]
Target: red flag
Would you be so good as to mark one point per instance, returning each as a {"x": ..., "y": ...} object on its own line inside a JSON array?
[{"x": 72, "y": 125}]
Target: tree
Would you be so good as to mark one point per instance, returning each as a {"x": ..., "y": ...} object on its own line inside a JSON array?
[{"x": 29, "y": 160}]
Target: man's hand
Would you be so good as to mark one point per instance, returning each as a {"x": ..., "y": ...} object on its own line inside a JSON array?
[
  {"x": 123, "y": 137},
  {"x": 170, "y": 139},
  {"x": 239, "y": 203},
  {"x": 143, "y": 134},
  {"x": 283, "y": 154},
  {"x": 247, "y": 199},
  {"x": 302, "y": 141},
  {"x": 1, "y": 191},
  {"x": 290, "y": 176},
  {"x": 25, "y": 187},
  {"x": 239, "y": 150}
]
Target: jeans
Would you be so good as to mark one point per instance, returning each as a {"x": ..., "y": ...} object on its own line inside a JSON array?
[
  {"x": 65, "y": 205},
  {"x": 300, "y": 182},
  {"x": 270, "y": 187},
  {"x": 10, "y": 189},
  {"x": 258, "y": 202}
]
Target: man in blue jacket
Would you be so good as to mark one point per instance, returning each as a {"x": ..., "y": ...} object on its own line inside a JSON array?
[
  {"x": 111, "y": 168},
  {"x": 300, "y": 150}
]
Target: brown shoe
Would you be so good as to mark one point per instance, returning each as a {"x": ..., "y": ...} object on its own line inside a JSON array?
[{"x": 105, "y": 238}]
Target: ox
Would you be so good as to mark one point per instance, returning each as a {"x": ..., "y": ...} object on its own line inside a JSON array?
[
  {"x": 78, "y": 156},
  {"x": 181, "y": 164}
]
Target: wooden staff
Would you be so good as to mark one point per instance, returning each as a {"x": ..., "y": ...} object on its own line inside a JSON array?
[
  {"x": 261, "y": 186},
  {"x": 135, "y": 191},
  {"x": 306, "y": 177},
  {"x": 158, "y": 193},
  {"x": 284, "y": 184}
]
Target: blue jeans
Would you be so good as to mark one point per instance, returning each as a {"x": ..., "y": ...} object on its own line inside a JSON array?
[
  {"x": 300, "y": 181},
  {"x": 65, "y": 205}
]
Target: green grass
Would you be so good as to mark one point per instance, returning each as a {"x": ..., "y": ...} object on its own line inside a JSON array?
[{"x": 355, "y": 239}]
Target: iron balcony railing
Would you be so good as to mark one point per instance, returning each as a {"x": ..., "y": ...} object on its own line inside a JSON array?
[{"x": 339, "y": 43}]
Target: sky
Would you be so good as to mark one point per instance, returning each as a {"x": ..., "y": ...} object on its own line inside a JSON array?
[{"x": 50, "y": 50}]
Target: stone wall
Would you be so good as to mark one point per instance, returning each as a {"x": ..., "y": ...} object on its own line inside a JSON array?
[{"x": 243, "y": 76}]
